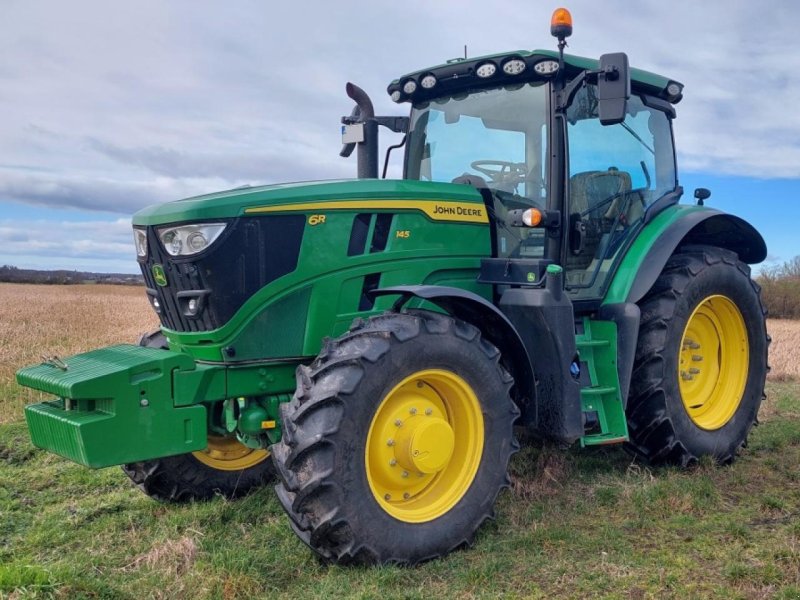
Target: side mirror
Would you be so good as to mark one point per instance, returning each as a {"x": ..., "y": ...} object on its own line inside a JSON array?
[
  {"x": 702, "y": 194},
  {"x": 613, "y": 88}
]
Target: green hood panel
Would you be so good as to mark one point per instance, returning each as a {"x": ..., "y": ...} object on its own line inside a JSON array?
[{"x": 236, "y": 202}]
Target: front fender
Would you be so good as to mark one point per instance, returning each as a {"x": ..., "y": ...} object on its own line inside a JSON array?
[
  {"x": 676, "y": 226},
  {"x": 492, "y": 323}
]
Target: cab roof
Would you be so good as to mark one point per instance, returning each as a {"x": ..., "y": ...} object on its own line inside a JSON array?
[{"x": 458, "y": 75}]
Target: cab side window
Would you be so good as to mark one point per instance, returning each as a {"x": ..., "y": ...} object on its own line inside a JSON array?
[{"x": 615, "y": 173}]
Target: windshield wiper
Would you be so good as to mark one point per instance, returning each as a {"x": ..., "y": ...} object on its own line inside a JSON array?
[{"x": 636, "y": 135}]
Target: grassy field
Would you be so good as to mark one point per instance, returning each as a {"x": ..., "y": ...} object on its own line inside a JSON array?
[{"x": 574, "y": 524}]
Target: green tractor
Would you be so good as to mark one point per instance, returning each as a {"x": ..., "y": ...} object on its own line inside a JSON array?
[{"x": 376, "y": 344}]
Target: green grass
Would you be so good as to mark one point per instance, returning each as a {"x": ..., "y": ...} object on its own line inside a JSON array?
[{"x": 575, "y": 524}]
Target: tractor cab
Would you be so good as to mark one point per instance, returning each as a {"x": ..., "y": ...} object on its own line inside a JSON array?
[
  {"x": 527, "y": 131},
  {"x": 586, "y": 145}
]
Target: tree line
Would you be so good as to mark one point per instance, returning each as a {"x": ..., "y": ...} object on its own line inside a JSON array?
[
  {"x": 11, "y": 274},
  {"x": 780, "y": 289}
]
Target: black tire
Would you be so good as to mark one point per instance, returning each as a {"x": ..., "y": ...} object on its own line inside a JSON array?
[
  {"x": 184, "y": 477},
  {"x": 661, "y": 429},
  {"x": 321, "y": 460}
]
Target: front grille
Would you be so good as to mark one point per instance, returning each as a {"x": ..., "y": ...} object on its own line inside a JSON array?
[{"x": 252, "y": 252}]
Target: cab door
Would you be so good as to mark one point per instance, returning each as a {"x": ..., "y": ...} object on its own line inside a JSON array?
[{"x": 616, "y": 172}]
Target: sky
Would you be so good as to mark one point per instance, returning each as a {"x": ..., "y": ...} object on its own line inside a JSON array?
[{"x": 107, "y": 107}]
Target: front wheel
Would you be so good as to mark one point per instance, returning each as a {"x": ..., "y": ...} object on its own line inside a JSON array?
[
  {"x": 397, "y": 440},
  {"x": 701, "y": 360}
]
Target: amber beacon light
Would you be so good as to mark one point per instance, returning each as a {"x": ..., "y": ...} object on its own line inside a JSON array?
[{"x": 561, "y": 24}]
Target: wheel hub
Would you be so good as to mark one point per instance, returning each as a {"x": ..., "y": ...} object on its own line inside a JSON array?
[
  {"x": 424, "y": 445},
  {"x": 713, "y": 362}
]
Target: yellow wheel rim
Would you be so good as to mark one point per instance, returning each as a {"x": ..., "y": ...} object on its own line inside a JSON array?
[
  {"x": 713, "y": 362},
  {"x": 228, "y": 454},
  {"x": 424, "y": 445}
]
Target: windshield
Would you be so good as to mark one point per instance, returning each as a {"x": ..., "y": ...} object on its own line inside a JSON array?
[{"x": 495, "y": 135}]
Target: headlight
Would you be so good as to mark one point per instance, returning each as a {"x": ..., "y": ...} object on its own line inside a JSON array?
[
  {"x": 140, "y": 239},
  {"x": 189, "y": 239},
  {"x": 428, "y": 81},
  {"x": 515, "y": 66},
  {"x": 486, "y": 70}
]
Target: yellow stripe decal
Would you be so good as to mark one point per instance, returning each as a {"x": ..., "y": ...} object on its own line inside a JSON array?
[{"x": 439, "y": 211}]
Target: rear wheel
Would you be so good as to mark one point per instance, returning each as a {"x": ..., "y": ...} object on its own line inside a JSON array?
[
  {"x": 397, "y": 440},
  {"x": 226, "y": 467},
  {"x": 701, "y": 360}
]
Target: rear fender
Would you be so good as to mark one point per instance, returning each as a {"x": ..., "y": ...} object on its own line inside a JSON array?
[{"x": 677, "y": 226}]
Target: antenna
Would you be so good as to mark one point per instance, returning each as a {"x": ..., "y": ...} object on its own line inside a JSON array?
[{"x": 465, "y": 52}]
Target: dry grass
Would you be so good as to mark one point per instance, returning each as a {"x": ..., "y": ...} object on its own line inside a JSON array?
[
  {"x": 784, "y": 352},
  {"x": 37, "y": 320},
  {"x": 172, "y": 556}
]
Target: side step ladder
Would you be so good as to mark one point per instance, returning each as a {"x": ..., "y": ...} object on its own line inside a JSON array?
[{"x": 602, "y": 406}]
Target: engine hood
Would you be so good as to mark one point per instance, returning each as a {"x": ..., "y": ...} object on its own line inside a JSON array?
[{"x": 237, "y": 202}]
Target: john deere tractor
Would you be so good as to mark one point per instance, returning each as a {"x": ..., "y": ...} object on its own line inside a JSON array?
[{"x": 376, "y": 344}]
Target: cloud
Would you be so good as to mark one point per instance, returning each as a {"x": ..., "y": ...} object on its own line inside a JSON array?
[
  {"x": 87, "y": 193},
  {"x": 106, "y": 246},
  {"x": 113, "y": 107},
  {"x": 234, "y": 166}
]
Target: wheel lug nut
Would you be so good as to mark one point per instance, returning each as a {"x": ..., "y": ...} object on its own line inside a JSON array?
[
  {"x": 413, "y": 411},
  {"x": 398, "y": 422},
  {"x": 392, "y": 462},
  {"x": 694, "y": 371},
  {"x": 420, "y": 384},
  {"x": 390, "y": 442},
  {"x": 387, "y": 496},
  {"x": 696, "y": 357},
  {"x": 429, "y": 411},
  {"x": 404, "y": 474},
  {"x": 406, "y": 496}
]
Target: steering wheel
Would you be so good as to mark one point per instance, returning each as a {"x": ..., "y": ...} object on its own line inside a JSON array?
[{"x": 500, "y": 170}]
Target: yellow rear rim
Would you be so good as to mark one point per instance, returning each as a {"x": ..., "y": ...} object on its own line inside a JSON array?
[
  {"x": 713, "y": 362},
  {"x": 424, "y": 445},
  {"x": 228, "y": 454}
]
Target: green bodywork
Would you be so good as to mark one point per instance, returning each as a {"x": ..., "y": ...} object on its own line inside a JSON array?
[
  {"x": 278, "y": 328},
  {"x": 320, "y": 297},
  {"x": 98, "y": 418}
]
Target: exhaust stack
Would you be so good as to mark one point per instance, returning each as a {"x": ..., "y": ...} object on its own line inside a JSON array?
[{"x": 360, "y": 130}]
